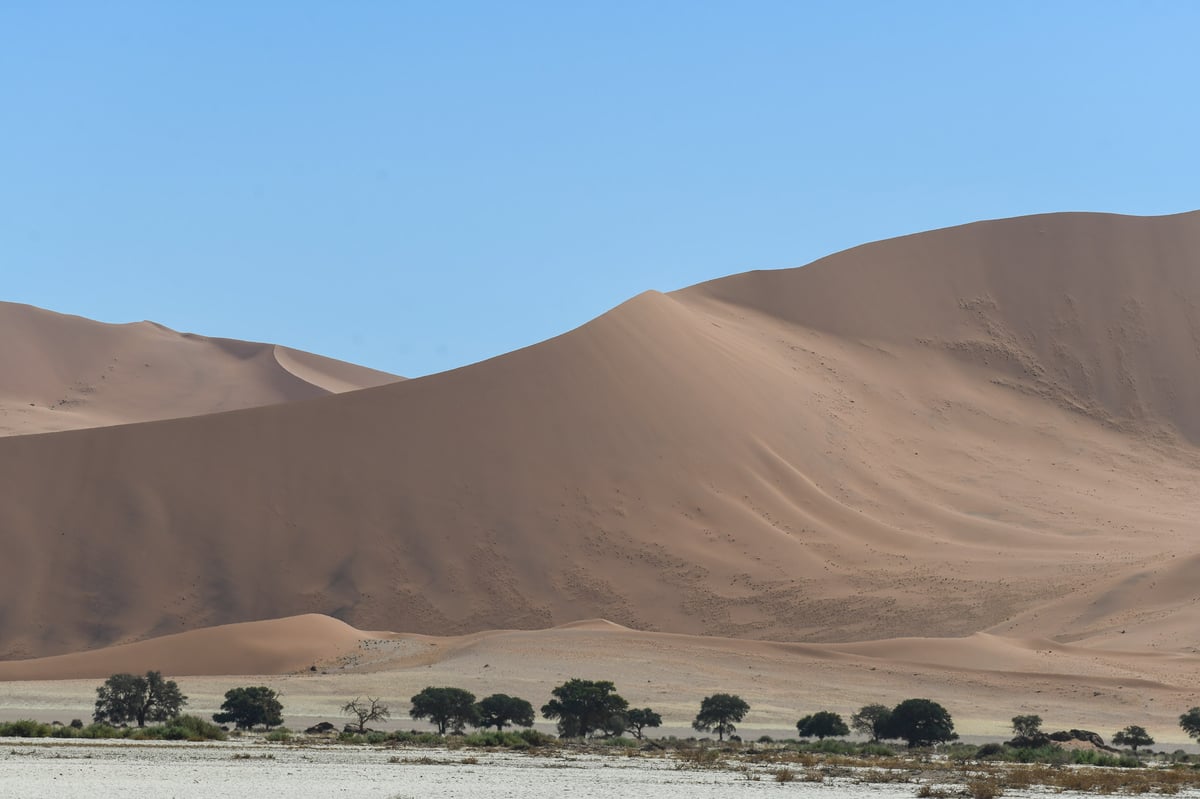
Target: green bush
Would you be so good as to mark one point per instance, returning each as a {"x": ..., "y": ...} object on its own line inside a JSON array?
[
  {"x": 25, "y": 728},
  {"x": 832, "y": 746},
  {"x": 279, "y": 735},
  {"x": 1040, "y": 754},
  {"x": 535, "y": 738},
  {"x": 510, "y": 740},
  {"x": 876, "y": 750},
  {"x": 991, "y": 751},
  {"x": 618, "y": 741},
  {"x": 189, "y": 728},
  {"x": 99, "y": 730},
  {"x": 413, "y": 737}
]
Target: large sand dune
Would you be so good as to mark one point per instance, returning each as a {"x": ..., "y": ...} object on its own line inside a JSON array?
[
  {"x": 989, "y": 428},
  {"x": 64, "y": 372}
]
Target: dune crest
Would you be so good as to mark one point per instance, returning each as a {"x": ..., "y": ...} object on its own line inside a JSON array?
[
  {"x": 64, "y": 372},
  {"x": 988, "y": 428},
  {"x": 275, "y": 646}
]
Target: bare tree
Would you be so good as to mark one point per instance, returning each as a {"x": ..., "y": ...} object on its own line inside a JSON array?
[{"x": 370, "y": 710}]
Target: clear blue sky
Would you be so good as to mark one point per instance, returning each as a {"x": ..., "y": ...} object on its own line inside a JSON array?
[{"x": 416, "y": 186}]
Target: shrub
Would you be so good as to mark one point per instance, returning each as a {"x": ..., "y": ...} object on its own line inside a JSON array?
[
  {"x": 992, "y": 751},
  {"x": 618, "y": 740},
  {"x": 25, "y": 728},
  {"x": 983, "y": 788},
  {"x": 192, "y": 728},
  {"x": 536, "y": 738},
  {"x": 280, "y": 735}
]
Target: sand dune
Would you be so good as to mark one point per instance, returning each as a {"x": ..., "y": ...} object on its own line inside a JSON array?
[
  {"x": 276, "y": 646},
  {"x": 988, "y": 428},
  {"x": 64, "y": 372}
]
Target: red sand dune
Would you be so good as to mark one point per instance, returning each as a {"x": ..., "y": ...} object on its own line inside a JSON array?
[
  {"x": 256, "y": 647},
  {"x": 64, "y": 372},
  {"x": 985, "y": 428}
]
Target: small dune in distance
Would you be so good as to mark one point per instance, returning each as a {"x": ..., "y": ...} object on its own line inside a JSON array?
[{"x": 963, "y": 461}]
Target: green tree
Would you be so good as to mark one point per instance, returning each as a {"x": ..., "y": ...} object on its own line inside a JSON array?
[
  {"x": 498, "y": 710},
  {"x": 127, "y": 697},
  {"x": 921, "y": 722},
  {"x": 1027, "y": 726},
  {"x": 1190, "y": 722},
  {"x": 641, "y": 718},
  {"x": 1132, "y": 736},
  {"x": 871, "y": 720},
  {"x": 364, "y": 711},
  {"x": 583, "y": 706},
  {"x": 448, "y": 708},
  {"x": 718, "y": 713},
  {"x": 247, "y": 708},
  {"x": 1028, "y": 732},
  {"x": 821, "y": 725}
]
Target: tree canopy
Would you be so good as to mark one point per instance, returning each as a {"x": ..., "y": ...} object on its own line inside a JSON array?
[
  {"x": 641, "y": 718},
  {"x": 448, "y": 708},
  {"x": 1190, "y": 722},
  {"x": 821, "y": 725},
  {"x": 499, "y": 710},
  {"x": 127, "y": 697},
  {"x": 583, "y": 706},
  {"x": 1027, "y": 726},
  {"x": 719, "y": 712},
  {"x": 247, "y": 708},
  {"x": 871, "y": 720},
  {"x": 921, "y": 722},
  {"x": 1132, "y": 736}
]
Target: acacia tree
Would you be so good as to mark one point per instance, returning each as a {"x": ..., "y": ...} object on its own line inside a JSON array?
[
  {"x": 718, "y": 714},
  {"x": 1028, "y": 731},
  {"x": 640, "y": 718},
  {"x": 498, "y": 710},
  {"x": 921, "y": 722},
  {"x": 1190, "y": 722},
  {"x": 366, "y": 711},
  {"x": 127, "y": 697},
  {"x": 871, "y": 720},
  {"x": 448, "y": 708},
  {"x": 821, "y": 725},
  {"x": 582, "y": 706},
  {"x": 247, "y": 708},
  {"x": 1027, "y": 726},
  {"x": 1132, "y": 736}
]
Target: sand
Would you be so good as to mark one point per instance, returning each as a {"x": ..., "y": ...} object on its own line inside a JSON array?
[
  {"x": 983, "y": 680},
  {"x": 65, "y": 372},
  {"x": 963, "y": 448}
]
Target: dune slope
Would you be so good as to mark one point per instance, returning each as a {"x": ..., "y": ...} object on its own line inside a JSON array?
[
  {"x": 985, "y": 428},
  {"x": 64, "y": 372}
]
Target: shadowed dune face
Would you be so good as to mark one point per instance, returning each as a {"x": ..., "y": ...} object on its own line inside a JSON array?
[
  {"x": 64, "y": 372},
  {"x": 982, "y": 428}
]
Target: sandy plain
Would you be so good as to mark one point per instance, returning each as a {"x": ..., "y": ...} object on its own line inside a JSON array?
[{"x": 982, "y": 680}]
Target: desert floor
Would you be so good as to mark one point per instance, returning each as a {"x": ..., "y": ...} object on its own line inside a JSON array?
[{"x": 982, "y": 680}]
